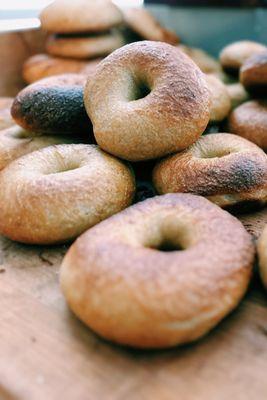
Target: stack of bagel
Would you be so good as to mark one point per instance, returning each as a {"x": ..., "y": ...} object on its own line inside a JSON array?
[
  {"x": 81, "y": 32},
  {"x": 82, "y": 147}
]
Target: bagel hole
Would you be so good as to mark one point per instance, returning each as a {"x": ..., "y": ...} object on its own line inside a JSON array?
[
  {"x": 141, "y": 90},
  {"x": 217, "y": 153},
  {"x": 168, "y": 246}
]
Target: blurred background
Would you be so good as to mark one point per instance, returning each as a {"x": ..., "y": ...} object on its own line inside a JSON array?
[{"x": 211, "y": 24}]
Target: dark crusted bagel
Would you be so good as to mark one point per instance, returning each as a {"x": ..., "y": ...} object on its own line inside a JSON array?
[
  {"x": 225, "y": 168},
  {"x": 53, "y": 105},
  {"x": 253, "y": 74}
]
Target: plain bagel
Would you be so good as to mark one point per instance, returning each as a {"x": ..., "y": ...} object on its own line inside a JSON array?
[
  {"x": 123, "y": 281},
  {"x": 220, "y": 99},
  {"x": 142, "y": 22},
  {"x": 42, "y": 66},
  {"x": 84, "y": 46},
  {"x": 156, "y": 103},
  {"x": 54, "y": 194},
  {"x": 225, "y": 168},
  {"x": 235, "y": 54},
  {"x": 68, "y": 16},
  {"x": 253, "y": 74},
  {"x": 16, "y": 142},
  {"x": 249, "y": 120},
  {"x": 53, "y": 105}
]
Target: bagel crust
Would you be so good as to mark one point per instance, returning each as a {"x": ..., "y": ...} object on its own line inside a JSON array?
[
  {"x": 5, "y": 117},
  {"x": 120, "y": 283},
  {"x": 225, "y": 168},
  {"x": 262, "y": 252},
  {"x": 53, "y": 105},
  {"x": 237, "y": 93},
  {"x": 16, "y": 142},
  {"x": 42, "y": 66},
  {"x": 235, "y": 54},
  {"x": 253, "y": 74},
  {"x": 146, "y": 100},
  {"x": 68, "y": 16},
  {"x": 249, "y": 120},
  {"x": 54, "y": 194},
  {"x": 84, "y": 46}
]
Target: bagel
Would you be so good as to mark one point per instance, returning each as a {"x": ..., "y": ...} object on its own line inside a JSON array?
[
  {"x": 253, "y": 74},
  {"x": 5, "y": 116},
  {"x": 67, "y": 16},
  {"x": 204, "y": 61},
  {"x": 262, "y": 252},
  {"x": 249, "y": 120},
  {"x": 237, "y": 94},
  {"x": 123, "y": 281},
  {"x": 235, "y": 54},
  {"x": 157, "y": 101},
  {"x": 225, "y": 168},
  {"x": 16, "y": 142},
  {"x": 54, "y": 194},
  {"x": 42, "y": 66},
  {"x": 220, "y": 99},
  {"x": 84, "y": 46},
  {"x": 53, "y": 104},
  {"x": 142, "y": 22}
]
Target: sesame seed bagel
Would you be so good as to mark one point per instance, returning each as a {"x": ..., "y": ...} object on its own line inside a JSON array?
[
  {"x": 68, "y": 16},
  {"x": 122, "y": 279},
  {"x": 253, "y": 74},
  {"x": 249, "y": 120},
  {"x": 54, "y": 194},
  {"x": 235, "y": 54},
  {"x": 16, "y": 142},
  {"x": 225, "y": 168},
  {"x": 53, "y": 105},
  {"x": 262, "y": 253},
  {"x": 42, "y": 66},
  {"x": 156, "y": 103},
  {"x": 142, "y": 22},
  {"x": 220, "y": 99},
  {"x": 84, "y": 46},
  {"x": 5, "y": 116}
]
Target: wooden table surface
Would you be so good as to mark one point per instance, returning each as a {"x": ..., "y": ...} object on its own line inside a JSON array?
[{"x": 47, "y": 354}]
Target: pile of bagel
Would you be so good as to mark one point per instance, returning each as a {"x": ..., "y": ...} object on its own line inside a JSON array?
[{"x": 141, "y": 163}]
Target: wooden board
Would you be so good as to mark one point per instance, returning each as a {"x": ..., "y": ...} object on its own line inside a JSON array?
[{"x": 46, "y": 353}]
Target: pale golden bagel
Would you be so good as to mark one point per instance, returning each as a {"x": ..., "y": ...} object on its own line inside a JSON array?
[
  {"x": 42, "y": 66},
  {"x": 53, "y": 105},
  {"x": 262, "y": 253},
  {"x": 84, "y": 46},
  {"x": 220, "y": 99},
  {"x": 5, "y": 116},
  {"x": 235, "y": 54},
  {"x": 142, "y": 22},
  {"x": 156, "y": 103},
  {"x": 225, "y": 168},
  {"x": 249, "y": 120},
  {"x": 121, "y": 279},
  {"x": 204, "y": 61},
  {"x": 54, "y": 194},
  {"x": 253, "y": 74},
  {"x": 237, "y": 93},
  {"x": 68, "y": 16},
  {"x": 16, "y": 142}
]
